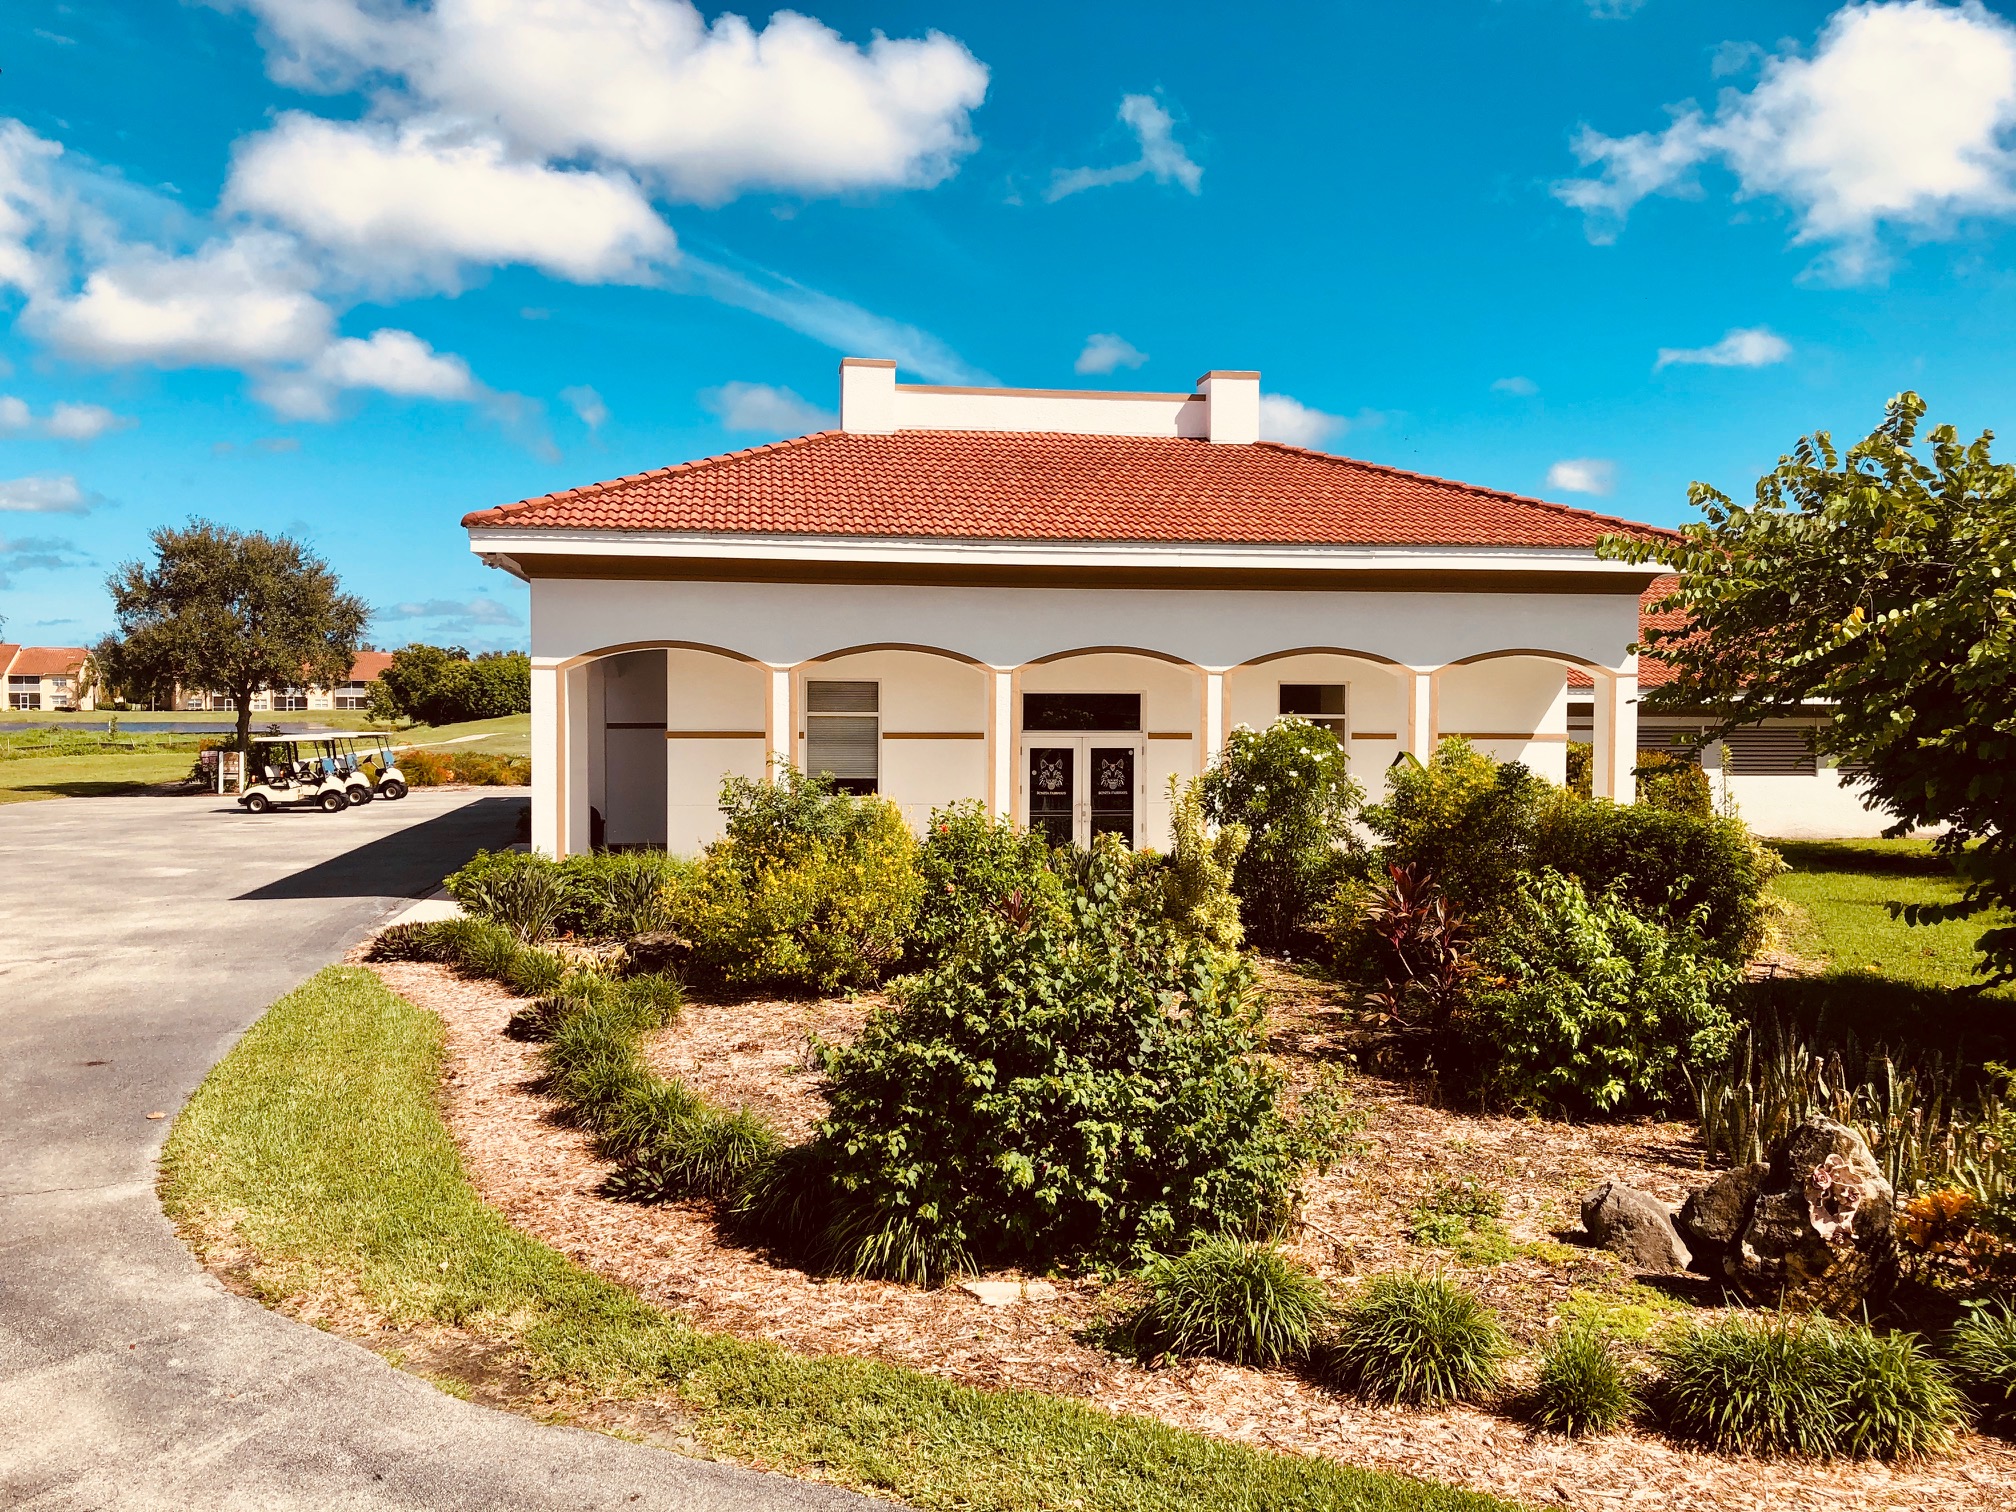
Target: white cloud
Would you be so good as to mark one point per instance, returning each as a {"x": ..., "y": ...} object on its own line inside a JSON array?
[
  {"x": 706, "y": 111},
  {"x": 476, "y": 611},
  {"x": 1899, "y": 117},
  {"x": 28, "y": 203},
  {"x": 1754, "y": 347},
  {"x": 1104, "y": 352},
  {"x": 236, "y": 302},
  {"x": 845, "y": 327},
  {"x": 1588, "y": 475},
  {"x": 587, "y": 405},
  {"x": 45, "y": 493},
  {"x": 1162, "y": 156},
  {"x": 64, "y": 422},
  {"x": 759, "y": 407},
  {"x": 1524, "y": 388},
  {"x": 1615, "y": 10},
  {"x": 1734, "y": 58},
  {"x": 1290, "y": 421},
  {"x": 390, "y": 361},
  {"x": 418, "y": 202}
]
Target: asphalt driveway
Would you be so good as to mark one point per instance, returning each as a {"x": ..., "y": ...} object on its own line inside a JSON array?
[{"x": 138, "y": 938}]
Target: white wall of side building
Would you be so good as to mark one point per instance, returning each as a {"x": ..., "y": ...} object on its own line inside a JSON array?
[
  {"x": 948, "y": 659},
  {"x": 1819, "y": 806}
]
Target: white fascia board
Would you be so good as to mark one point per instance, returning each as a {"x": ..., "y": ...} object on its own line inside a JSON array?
[{"x": 506, "y": 543}]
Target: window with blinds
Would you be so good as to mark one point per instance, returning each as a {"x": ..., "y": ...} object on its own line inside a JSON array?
[
  {"x": 843, "y": 734},
  {"x": 1765, "y": 751}
]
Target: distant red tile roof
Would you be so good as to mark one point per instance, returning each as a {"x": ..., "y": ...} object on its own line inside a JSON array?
[
  {"x": 8, "y": 650},
  {"x": 1043, "y": 486},
  {"x": 368, "y": 666},
  {"x": 48, "y": 661},
  {"x": 1651, "y": 670}
]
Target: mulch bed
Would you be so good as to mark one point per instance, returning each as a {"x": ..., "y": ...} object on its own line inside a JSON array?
[{"x": 544, "y": 1176}]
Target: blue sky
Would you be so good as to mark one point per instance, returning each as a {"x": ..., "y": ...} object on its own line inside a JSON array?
[{"x": 348, "y": 268}]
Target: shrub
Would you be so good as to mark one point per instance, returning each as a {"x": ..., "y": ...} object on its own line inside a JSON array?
[
  {"x": 424, "y": 768},
  {"x": 809, "y": 888},
  {"x": 527, "y": 893},
  {"x": 477, "y": 946},
  {"x": 1706, "y": 873},
  {"x": 970, "y": 864},
  {"x": 1583, "y": 1386},
  {"x": 1983, "y": 1349},
  {"x": 1402, "y": 937},
  {"x": 475, "y": 768},
  {"x": 443, "y": 685},
  {"x": 1464, "y": 819},
  {"x": 406, "y": 942},
  {"x": 1193, "y": 889},
  {"x": 620, "y": 894},
  {"x": 1085, "y": 1084},
  {"x": 1289, "y": 786},
  {"x": 535, "y": 972},
  {"x": 1673, "y": 784},
  {"x": 1582, "y": 1005},
  {"x": 1416, "y": 1339},
  {"x": 1232, "y": 1299},
  {"x": 1774, "y": 1385}
]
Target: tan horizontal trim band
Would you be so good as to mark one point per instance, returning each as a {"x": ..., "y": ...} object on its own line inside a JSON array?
[
  {"x": 934, "y": 734},
  {"x": 717, "y": 734},
  {"x": 1170, "y": 735},
  {"x": 1496, "y": 735},
  {"x": 1374, "y": 735}
]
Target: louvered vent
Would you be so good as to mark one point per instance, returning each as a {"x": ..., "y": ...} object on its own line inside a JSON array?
[{"x": 1767, "y": 751}]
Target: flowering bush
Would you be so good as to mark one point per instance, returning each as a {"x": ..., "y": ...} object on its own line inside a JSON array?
[
  {"x": 971, "y": 865},
  {"x": 1290, "y": 786}
]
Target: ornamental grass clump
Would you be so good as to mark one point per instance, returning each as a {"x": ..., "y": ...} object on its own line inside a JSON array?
[
  {"x": 1806, "y": 1386},
  {"x": 1983, "y": 1351},
  {"x": 1416, "y": 1339},
  {"x": 1584, "y": 1385},
  {"x": 1233, "y": 1299},
  {"x": 707, "y": 1153}
]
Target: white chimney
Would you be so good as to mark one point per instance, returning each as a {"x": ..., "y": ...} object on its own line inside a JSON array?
[
  {"x": 1231, "y": 405},
  {"x": 868, "y": 396}
]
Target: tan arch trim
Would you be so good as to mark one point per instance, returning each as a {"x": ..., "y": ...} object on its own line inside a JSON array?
[
  {"x": 958, "y": 656},
  {"x": 607, "y": 651},
  {"x": 1161, "y": 656},
  {"x": 1371, "y": 656},
  {"x": 1559, "y": 656}
]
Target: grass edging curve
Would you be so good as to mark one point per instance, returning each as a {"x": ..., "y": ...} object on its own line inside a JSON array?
[{"x": 314, "y": 1155}]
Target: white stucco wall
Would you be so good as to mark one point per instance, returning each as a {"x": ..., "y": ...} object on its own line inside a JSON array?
[
  {"x": 761, "y": 638},
  {"x": 1818, "y": 807}
]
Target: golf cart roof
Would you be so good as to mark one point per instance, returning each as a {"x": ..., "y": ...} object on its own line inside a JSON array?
[{"x": 301, "y": 735}]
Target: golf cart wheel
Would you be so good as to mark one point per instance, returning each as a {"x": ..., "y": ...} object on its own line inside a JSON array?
[
  {"x": 333, "y": 803},
  {"x": 393, "y": 789},
  {"x": 359, "y": 796},
  {"x": 257, "y": 803}
]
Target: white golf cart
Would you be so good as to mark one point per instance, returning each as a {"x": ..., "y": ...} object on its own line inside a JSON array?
[{"x": 331, "y": 771}]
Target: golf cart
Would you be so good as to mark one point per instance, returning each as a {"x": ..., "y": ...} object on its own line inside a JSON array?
[{"x": 331, "y": 771}]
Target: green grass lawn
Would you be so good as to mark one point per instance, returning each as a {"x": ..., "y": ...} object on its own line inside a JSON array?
[
  {"x": 314, "y": 1155},
  {"x": 1886, "y": 981},
  {"x": 94, "y": 776},
  {"x": 509, "y": 736}
]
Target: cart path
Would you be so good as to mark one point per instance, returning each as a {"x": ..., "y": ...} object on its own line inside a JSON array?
[{"x": 138, "y": 938}]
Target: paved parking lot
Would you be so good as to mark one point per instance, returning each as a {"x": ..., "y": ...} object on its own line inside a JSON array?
[{"x": 138, "y": 938}]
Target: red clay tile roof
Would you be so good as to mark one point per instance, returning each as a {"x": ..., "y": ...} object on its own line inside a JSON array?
[
  {"x": 48, "y": 661},
  {"x": 369, "y": 666},
  {"x": 1651, "y": 670},
  {"x": 7, "y": 653},
  {"x": 1043, "y": 486}
]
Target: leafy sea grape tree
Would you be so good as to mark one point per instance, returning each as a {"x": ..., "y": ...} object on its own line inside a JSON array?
[{"x": 1883, "y": 584}]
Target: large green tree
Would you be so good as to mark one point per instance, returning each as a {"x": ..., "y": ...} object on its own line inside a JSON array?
[
  {"x": 1881, "y": 582},
  {"x": 230, "y": 610}
]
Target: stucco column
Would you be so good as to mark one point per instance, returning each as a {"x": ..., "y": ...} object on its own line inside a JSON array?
[
  {"x": 1001, "y": 742},
  {"x": 577, "y": 829},
  {"x": 548, "y": 758},
  {"x": 1214, "y": 716},
  {"x": 1419, "y": 692},
  {"x": 1616, "y": 742},
  {"x": 779, "y": 720}
]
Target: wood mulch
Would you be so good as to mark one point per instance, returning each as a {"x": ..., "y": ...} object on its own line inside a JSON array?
[{"x": 544, "y": 1177}]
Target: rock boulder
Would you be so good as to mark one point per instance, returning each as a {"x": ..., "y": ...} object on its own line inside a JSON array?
[{"x": 1634, "y": 1225}]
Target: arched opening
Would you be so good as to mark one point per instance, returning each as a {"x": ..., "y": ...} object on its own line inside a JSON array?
[
  {"x": 1360, "y": 697},
  {"x": 908, "y": 722},
  {"x": 1511, "y": 704}
]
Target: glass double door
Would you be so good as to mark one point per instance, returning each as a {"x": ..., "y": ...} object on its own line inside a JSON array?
[{"x": 1077, "y": 787}]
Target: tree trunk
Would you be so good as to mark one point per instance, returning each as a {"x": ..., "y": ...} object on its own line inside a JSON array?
[{"x": 243, "y": 699}]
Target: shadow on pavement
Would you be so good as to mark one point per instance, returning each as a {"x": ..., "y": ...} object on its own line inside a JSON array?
[{"x": 408, "y": 864}]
